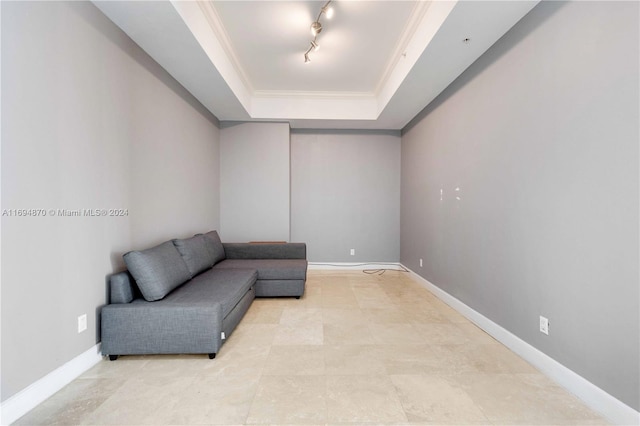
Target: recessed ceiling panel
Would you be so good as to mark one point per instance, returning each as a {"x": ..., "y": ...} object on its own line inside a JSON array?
[{"x": 269, "y": 40}]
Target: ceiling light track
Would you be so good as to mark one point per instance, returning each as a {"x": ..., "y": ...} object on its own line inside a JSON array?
[{"x": 316, "y": 28}]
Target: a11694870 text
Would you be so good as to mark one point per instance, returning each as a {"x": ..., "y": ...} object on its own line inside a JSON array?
[{"x": 65, "y": 212}]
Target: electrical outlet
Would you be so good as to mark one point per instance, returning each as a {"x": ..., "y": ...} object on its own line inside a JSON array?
[
  {"x": 82, "y": 323},
  {"x": 544, "y": 325},
  {"x": 421, "y": 263},
  {"x": 353, "y": 252}
]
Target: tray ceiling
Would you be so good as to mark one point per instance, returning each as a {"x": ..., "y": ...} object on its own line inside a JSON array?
[{"x": 379, "y": 63}]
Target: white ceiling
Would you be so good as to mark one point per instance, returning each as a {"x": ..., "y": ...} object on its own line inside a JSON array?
[
  {"x": 269, "y": 39},
  {"x": 379, "y": 64}
]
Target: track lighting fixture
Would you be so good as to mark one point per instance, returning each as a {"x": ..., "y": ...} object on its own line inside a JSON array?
[{"x": 316, "y": 28}]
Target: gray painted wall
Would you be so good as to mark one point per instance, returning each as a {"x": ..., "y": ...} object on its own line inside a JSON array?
[
  {"x": 345, "y": 193},
  {"x": 88, "y": 121},
  {"x": 254, "y": 182},
  {"x": 540, "y": 135}
]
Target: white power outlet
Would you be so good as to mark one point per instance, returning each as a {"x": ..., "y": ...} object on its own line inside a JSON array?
[
  {"x": 421, "y": 263},
  {"x": 82, "y": 323},
  {"x": 353, "y": 252},
  {"x": 544, "y": 325}
]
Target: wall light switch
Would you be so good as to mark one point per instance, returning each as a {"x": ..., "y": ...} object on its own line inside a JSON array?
[
  {"x": 421, "y": 263},
  {"x": 82, "y": 323},
  {"x": 544, "y": 325},
  {"x": 353, "y": 252}
]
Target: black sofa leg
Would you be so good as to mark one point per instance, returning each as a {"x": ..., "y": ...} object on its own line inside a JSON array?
[
  {"x": 212, "y": 356},
  {"x": 113, "y": 357},
  {"x": 297, "y": 297}
]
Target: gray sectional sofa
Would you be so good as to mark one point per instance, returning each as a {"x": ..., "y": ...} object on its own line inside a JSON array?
[{"x": 188, "y": 295}]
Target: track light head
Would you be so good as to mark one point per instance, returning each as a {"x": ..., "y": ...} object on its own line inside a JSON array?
[
  {"x": 328, "y": 11},
  {"x": 306, "y": 58},
  {"x": 316, "y": 28}
]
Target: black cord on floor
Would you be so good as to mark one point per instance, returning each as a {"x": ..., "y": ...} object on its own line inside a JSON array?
[
  {"x": 381, "y": 271},
  {"x": 378, "y": 271}
]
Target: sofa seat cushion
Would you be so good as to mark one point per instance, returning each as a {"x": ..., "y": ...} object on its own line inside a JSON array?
[
  {"x": 269, "y": 269},
  {"x": 225, "y": 286},
  {"x": 157, "y": 270}
]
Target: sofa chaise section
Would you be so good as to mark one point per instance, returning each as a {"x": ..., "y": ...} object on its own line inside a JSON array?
[{"x": 282, "y": 267}]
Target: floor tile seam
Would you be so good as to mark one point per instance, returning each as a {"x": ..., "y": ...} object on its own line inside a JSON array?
[
  {"x": 83, "y": 420},
  {"x": 369, "y": 324},
  {"x": 457, "y": 386},
  {"x": 451, "y": 382},
  {"x": 324, "y": 397},
  {"x": 371, "y": 295},
  {"x": 508, "y": 420},
  {"x": 326, "y": 376},
  {"x": 260, "y": 368},
  {"x": 85, "y": 416},
  {"x": 253, "y": 399},
  {"x": 407, "y": 423},
  {"x": 481, "y": 374},
  {"x": 300, "y": 323}
]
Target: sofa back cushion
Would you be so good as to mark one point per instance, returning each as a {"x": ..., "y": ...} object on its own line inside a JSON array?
[
  {"x": 157, "y": 270},
  {"x": 195, "y": 253},
  {"x": 215, "y": 246}
]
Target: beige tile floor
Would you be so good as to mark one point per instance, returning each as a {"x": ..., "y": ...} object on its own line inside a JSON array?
[{"x": 356, "y": 349}]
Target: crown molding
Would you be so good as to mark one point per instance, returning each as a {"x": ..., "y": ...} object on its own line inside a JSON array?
[
  {"x": 413, "y": 23},
  {"x": 217, "y": 26},
  {"x": 314, "y": 108},
  {"x": 278, "y": 94}
]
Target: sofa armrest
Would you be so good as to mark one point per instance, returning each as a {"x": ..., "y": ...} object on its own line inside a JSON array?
[
  {"x": 123, "y": 288},
  {"x": 148, "y": 328},
  {"x": 265, "y": 250}
]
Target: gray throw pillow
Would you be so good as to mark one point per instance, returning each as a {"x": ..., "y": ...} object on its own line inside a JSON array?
[
  {"x": 157, "y": 270},
  {"x": 215, "y": 246},
  {"x": 195, "y": 254}
]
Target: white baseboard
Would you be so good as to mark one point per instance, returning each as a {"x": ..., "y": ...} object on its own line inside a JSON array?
[
  {"x": 27, "y": 399},
  {"x": 612, "y": 409},
  {"x": 354, "y": 266}
]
